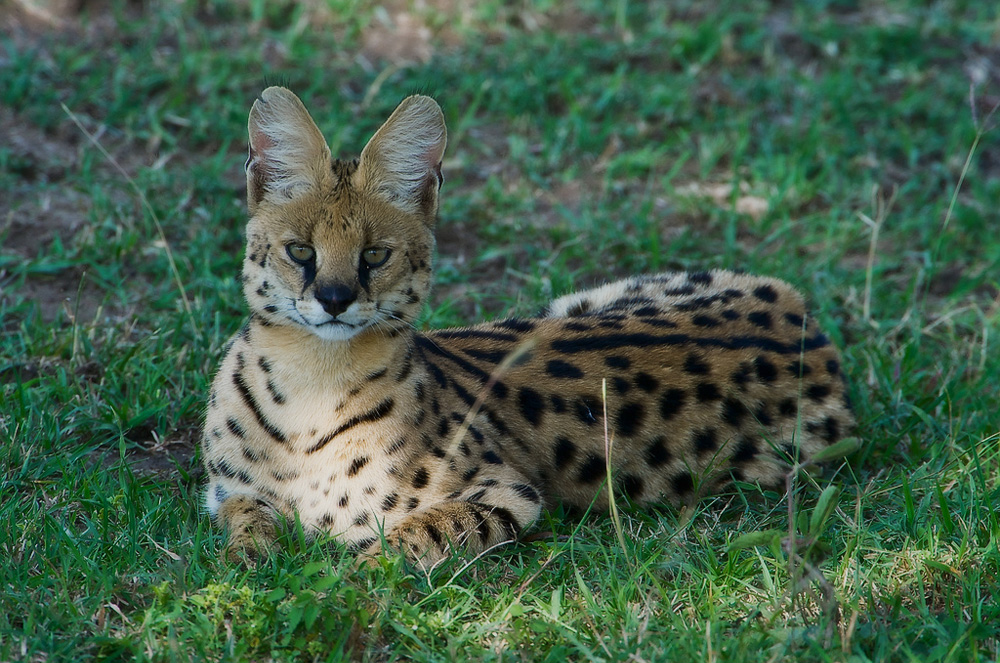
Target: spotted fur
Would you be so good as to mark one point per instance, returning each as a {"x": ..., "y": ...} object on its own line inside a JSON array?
[{"x": 329, "y": 408}]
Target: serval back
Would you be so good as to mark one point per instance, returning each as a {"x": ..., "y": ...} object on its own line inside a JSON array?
[{"x": 331, "y": 408}]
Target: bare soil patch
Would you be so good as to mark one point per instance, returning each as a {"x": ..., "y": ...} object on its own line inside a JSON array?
[{"x": 40, "y": 207}]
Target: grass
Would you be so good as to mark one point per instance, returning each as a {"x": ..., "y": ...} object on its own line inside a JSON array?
[{"x": 588, "y": 141}]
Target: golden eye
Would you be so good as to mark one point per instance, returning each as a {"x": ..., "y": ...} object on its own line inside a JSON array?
[
  {"x": 300, "y": 253},
  {"x": 375, "y": 257}
]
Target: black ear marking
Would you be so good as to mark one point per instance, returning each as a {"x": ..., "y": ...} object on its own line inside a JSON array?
[
  {"x": 256, "y": 175},
  {"x": 440, "y": 177}
]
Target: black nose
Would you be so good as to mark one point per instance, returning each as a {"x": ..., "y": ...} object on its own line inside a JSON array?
[{"x": 335, "y": 297}]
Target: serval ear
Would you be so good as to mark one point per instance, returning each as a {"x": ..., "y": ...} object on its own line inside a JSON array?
[
  {"x": 288, "y": 154},
  {"x": 402, "y": 162}
]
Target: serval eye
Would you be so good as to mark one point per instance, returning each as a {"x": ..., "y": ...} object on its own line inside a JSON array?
[
  {"x": 375, "y": 257},
  {"x": 300, "y": 253}
]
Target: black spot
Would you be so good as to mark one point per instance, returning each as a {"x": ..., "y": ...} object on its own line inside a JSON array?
[
  {"x": 558, "y": 404},
  {"x": 671, "y": 403},
  {"x": 580, "y": 308},
  {"x": 276, "y": 395},
  {"x": 798, "y": 369},
  {"x": 621, "y": 385},
  {"x": 696, "y": 366},
  {"x": 742, "y": 375},
  {"x": 705, "y": 321},
  {"x": 704, "y": 441},
  {"x": 362, "y": 519},
  {"x": 794, "y": 319},
  {"x": 344, "y": 500},
  {"x": 390, "y": 501},
  {"x": 420, "y": 478},
  {"x": 235, "y": 428},
  {"x": 593, "y": 468},
  {"x": 760, "y": 318},
  {"x": 225, "y": 469},
  {"x": 492, "y": 458},
  {"x": 833, "y": 367},
  {"x": 818, "y": 392},
  {"x": 762, "y": 416},
  {"x": 443, "y": 426},
  {"x": 587, "y": 408},
  {"x": 766, "y": 293},
  {"x": 526, "y": 492},
  {"x": 788, "y": 407},
  {"x": 730, "y": 314},
  {"x": 706, "y": 392},
  {"x": 632, "y": 486},
  {"x": 698, "y": 303},
  {"x": 647, "y": 311},
  {"x": 656, "y": 322},
  {"x": 746, "y": 451},
  {"x": 656, "y": 453},
  {"x": 701, "y": 278},
  {"x": 615, "y": 361},
  {"x": 252, "y": 455},
  {"x": 732, "y": 293},
  {"x": 532, "y": 405},
  {"x": 470, "y": 474},
  {"x": 577, "y": 326},
  {"x": 682, "y": 483},
  {"x": 412, "y": 503},
  {"x": 562, "y": 369},
  {"x": 565, "y": 451},
  {"x": 356, "y": 465},
  {"x": 646, "y": 382},
  {"x": 630, "y": 418},
  {"x": 220, "y": 493},
  {"x": 679, "y": 292},
  {"x": 733, "y": 412},
  {"x": 831, "y": 430},
  {"x": 515, "y": 324},
  {"x": 766, "y": 371}
]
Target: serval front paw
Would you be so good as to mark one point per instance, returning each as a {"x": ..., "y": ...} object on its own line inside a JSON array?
[
  {"x": 251, "y": 526},
  {"x": 428, "y": 537}
]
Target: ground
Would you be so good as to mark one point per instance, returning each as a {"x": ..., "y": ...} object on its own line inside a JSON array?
[{"x": 850, "y": 148}]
